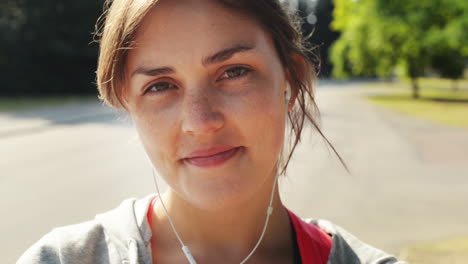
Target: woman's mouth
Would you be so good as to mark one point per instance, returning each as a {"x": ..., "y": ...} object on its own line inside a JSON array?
[{"x": 212, "y": 156}]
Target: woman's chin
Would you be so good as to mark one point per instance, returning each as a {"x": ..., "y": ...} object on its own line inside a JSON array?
[{"x": 218, "y": 196}]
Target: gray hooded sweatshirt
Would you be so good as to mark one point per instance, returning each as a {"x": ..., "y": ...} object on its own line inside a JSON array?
[{"x": 122, "y": 236}]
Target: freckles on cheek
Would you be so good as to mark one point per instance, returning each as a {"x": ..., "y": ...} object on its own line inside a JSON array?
[
  {"x": 155, "y": 133},
  {"x": 151, "y": 119},
  {"x": 159, "y": 147},
  {"x": 265, "y": 117},
  {"x": 158, "y": 121},
  {"x": 265, "y": 107}
]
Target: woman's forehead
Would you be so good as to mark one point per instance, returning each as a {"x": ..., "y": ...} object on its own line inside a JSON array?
[
  {"x": 169, "y": 17},
  {"x": 182, "y": 28}
]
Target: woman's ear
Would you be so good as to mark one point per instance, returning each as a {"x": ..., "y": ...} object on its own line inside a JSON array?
[
  {"x": 294, "y": 77},
  {"x": 300, "y": 66}
]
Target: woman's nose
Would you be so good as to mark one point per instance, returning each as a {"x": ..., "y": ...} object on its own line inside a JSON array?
[{"x": 200, "y": 115}]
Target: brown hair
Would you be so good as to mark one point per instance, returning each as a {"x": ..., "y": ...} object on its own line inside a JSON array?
[{"x": 118, "y": 25}]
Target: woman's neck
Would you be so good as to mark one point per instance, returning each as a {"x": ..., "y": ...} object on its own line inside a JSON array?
[{"x": 230, "y": 233}]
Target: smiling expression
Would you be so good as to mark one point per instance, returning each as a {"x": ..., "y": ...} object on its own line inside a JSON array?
[{"x": 205, "y": 89}]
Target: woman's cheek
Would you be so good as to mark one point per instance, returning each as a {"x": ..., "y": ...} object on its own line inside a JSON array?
[
  {"x": 156, "y": 133},
  {"x": 262, "y": 112}
]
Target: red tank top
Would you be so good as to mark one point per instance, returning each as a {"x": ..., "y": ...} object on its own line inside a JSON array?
[{"x": 314, "y": 244}]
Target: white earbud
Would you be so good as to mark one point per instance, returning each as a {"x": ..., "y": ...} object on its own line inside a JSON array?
[{"x": 287, "y": 95}]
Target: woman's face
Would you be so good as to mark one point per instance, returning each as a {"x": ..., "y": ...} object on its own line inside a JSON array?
[{"x": 205, "y": 89}]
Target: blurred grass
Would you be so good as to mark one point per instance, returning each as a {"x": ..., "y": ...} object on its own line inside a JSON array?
[
  {"x": 12, "y": 104},
  {"x": 438, "y": 100},
  {"x": 453, "y": 251}
]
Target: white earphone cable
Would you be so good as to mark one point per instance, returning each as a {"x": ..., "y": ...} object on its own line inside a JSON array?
[
  {"x": 167, "y": 213},
  {"x": 186, "y": 250},
  {"x": 269, "y": 211}
]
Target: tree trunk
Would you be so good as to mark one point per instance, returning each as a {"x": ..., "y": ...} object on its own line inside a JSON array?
[
  {"x": 454, "y": 85},
  {"x": 415, "y": 87},
  {"x": 414, "y": 70}
]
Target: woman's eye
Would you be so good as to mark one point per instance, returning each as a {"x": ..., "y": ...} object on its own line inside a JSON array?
[
  {"x": 235, "y": 72},
  {"x": 159, "y": 87}
]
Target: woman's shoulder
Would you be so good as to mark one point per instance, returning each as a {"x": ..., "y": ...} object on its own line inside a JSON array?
[
  {"x": 63, "y": 244},
  {"x": 347, "y": 248},
  {"x": 111, "y": 237}
]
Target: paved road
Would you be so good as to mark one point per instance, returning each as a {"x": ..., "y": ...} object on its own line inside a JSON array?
[{"x": 409, "y": 177}]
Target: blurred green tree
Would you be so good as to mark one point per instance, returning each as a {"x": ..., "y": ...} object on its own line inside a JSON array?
[
  {"x": 379, "y": 35},
  {"x": 46, "y": 46}
]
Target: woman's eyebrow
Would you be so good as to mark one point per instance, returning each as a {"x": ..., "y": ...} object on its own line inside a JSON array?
[
  {"x": 153, "y": 72},
  {"x": 225, "y": 54},
  {"x": 218, "y": 57}
]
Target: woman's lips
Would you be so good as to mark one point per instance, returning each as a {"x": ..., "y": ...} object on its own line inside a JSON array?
[{"x": 212, "y": 157}]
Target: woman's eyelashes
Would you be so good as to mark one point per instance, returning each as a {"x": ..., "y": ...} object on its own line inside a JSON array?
[
  {"x": 233, "y": 73},
  {"x": 159, "y": 87}
]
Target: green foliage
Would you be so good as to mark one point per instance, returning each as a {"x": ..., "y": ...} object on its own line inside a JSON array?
[
  {"x": 378, "y": 35},
  {"x": 46, "y": 46},
  {"x": 448, "y": 63}
]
